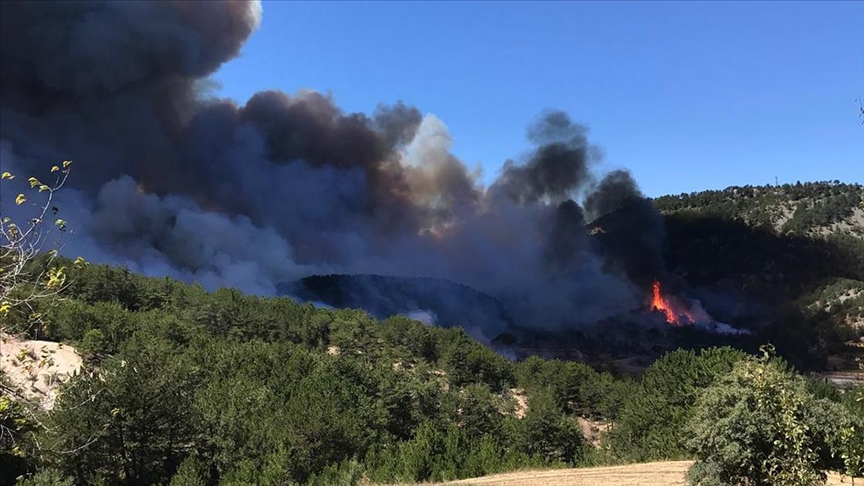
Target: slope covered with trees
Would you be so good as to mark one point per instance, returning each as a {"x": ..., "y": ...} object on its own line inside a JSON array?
[
  {"x": 808, "y": 208},
  {"x": 184, "y": 386},
  {"x": 798, "y": 248}
]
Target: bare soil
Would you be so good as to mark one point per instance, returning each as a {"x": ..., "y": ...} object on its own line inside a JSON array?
[
  {"x": 37, "y": 368},
  {"x": 521, "y": 401},
  {"x": 594, "y": 431}
]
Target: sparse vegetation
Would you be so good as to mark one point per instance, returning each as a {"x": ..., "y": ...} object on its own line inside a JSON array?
[
  {"x": 23, "y": 282},
  {"x": 808, "y": 208}
]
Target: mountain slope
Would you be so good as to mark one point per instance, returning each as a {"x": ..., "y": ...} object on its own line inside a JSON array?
[
  {"x": 812, "y": 208},
  {"x": 431, "y": 300},
  {"x": 796, "y": 248}
]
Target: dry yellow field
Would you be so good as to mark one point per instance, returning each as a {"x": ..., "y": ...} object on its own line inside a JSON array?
[{"x": 648, "y": 474}]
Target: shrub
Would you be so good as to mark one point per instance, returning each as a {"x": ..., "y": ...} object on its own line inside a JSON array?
[
  {"x": 759, "y": 425},
  {"x": 46, "y": 477}
]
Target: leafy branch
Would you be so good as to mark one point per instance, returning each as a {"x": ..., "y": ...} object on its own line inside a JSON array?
[{"x": 25, "y": 286}]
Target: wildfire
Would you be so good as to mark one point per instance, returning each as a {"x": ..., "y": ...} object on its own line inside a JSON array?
[
  {"x": 680, "y": 310},
  {"x": 659, "y": 303},
  {"x": 675, "y": 314}
]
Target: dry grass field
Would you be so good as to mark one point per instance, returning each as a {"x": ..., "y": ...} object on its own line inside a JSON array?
[{"x": 648, "y": 474}]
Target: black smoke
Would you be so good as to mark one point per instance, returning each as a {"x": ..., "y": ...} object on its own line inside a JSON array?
[
  {"x": 631, "y": 231},
  {"x": 172, "y": 180}
]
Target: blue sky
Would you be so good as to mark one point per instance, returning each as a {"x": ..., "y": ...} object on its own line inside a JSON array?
[{"x": 687, "y": 95}]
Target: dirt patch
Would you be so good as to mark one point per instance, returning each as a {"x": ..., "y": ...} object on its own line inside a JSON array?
[
  {"x": 37, "y": 368},
  {"x": 850, "y": 294},
  {"x": 782, "y": 215},
  {"x": 521, "y": 402},
  {"x": 441, "y": 377},
  {"x": 651, "y": 474},
  {"x": 594, "y": 430}
]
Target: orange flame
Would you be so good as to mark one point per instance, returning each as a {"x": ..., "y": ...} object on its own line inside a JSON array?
[
  {"x": 678, "y": 309},
  {"x": 659, "y": 303}
]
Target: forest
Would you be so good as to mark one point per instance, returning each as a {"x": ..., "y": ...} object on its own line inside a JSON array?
[
  {"x": 798, "y": 247},
  {"x": 183, "y": 386},
  {"x": 234, "y": 222}
]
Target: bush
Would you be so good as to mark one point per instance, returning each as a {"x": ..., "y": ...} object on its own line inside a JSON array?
[
  {"x": 759, "y": 425},
  {"x": 652, "y": 417},
  {"x": 190, "y": 473},
  {"x": 46, "y": 477},
  {"x": 548, "y": 433}
]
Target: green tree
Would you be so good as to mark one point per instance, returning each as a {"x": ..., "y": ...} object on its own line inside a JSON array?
[
  {"x": 467, "y": 361},
  {"x": 477, "y": 413},
  {"x": 46, "y": 477},
  {"x": 14, "y": 427},
  {"x": 851, "y": 437},
  {"x": 192, "y": 472},
  {"x": 549, "y": 433},
  {"x": 652, "y": 418},
  {"x": 758, "y": 425},
  {"x": 132, "y": 418}
]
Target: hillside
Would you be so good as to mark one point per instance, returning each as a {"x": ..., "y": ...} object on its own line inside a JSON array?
[
  {"x": 811, "y": 208},
  {"x": 796, "y": 280},
  {"x": 433, "y": 301},
  {"x": 184, "y": 386},
  {"x": 798, "y": 248},
  {"x": 179, "y": 385}
]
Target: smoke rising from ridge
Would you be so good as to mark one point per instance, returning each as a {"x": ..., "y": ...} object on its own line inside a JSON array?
[{"x": 172, "y": 181}]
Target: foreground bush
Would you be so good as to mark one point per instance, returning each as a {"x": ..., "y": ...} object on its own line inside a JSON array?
[{"x": 759, "y": 425}]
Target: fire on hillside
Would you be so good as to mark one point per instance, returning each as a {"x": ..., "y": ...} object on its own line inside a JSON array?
[{"x": 677, "y": 311}]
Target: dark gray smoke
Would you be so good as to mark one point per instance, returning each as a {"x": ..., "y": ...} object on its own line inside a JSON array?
[
  {"x": 171, "y": 180},
  {"x": 631, "y": 231},
  {"x": 558, "y": 166}
]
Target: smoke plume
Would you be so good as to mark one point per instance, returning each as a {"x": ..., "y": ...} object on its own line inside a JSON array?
[{"x": 171, "y": 180}]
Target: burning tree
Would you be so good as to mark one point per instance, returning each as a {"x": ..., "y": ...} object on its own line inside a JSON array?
[{"x": 676, "y": 312}]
